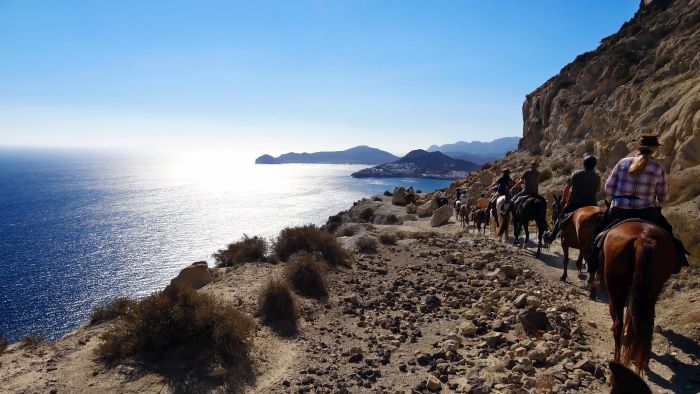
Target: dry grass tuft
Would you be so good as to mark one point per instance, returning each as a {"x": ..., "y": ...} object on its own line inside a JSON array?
[
  {"x": 367, "y": 214},
  {"x": 248, "y": 249},
  {"x": 334, "y": 222},
  {"x": 183, "y": 323},
  {"x": 545, "y": 383},
  {"x": 348, "y": 231},
  {"x": 387, "y": 239},
  {"x": 306, "y": 275},
  {"x": 311, "y": 239},
  {"x": 30, "y": 341},
  {"x": 367, "y": 244},
  {"x": 111, "y": 310},
  {"x": 276, "y": 302},
  {"x": 391, "y": 219}
]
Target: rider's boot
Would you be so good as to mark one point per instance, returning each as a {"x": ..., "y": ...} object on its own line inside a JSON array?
[{"x": 550, "y": 236}]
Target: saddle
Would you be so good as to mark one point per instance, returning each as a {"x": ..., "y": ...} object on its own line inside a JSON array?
[
  {"x": 600, "y": 238},
  {"x": 516, "y": 203}
]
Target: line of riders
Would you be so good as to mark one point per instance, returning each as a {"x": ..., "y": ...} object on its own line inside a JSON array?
[{"x": 636, "y": 184}]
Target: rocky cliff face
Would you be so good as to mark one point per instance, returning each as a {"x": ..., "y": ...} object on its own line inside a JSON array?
[{"x": 643, "y": 79}]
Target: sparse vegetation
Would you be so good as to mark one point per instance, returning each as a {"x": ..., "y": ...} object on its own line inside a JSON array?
[
  {"x": 388, "y": 193},
  {"x": 687, "y": 230},
  {"x": 377, "y": 198},
  {"x": 248, "y": 249},
  {"x": 391, "y": 219},
  {"x": 306, "y": 275},
  {"x": 485, "y": 166},
  {"x": 546, "y": 174},
  {"x": 311, "y": 239},
  {"x": 276, "y": 302},
  {"x": 367, "y": 244},
  {"x": 334, "y": 222},
  {"x": 32, "y": 340},
  {"x": 348, "y": 231},
  {"x": 4, "y": 343},
  {"x": 179, "y": 322},
  {"x": 387, "y": 239},
  {"x": 111, "y": 310},
  {"x": 367, "y": 214}
]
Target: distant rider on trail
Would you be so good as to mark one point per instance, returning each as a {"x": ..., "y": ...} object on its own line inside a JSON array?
[
  {"x": 482, "y": 202},
  {"x": 580, "y": 191},
  {"x": 637, "y": 184}
]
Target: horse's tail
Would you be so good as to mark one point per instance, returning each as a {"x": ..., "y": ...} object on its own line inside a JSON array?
[{"x": 639, "y": 321}]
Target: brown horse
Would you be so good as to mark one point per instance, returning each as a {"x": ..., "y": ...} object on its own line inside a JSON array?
[
  {"x": 463, "y": 215},
  {"x": 480, "y": 218},
  {"x": 577, "y": 233},
  {"x": 636, "y": 260}
]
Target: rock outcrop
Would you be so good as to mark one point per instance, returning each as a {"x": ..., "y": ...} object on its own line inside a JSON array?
[
  {"x": 195, "y": 276},
  {"x": 441, "y": 216},
  {"x": 643, "y": 79}
]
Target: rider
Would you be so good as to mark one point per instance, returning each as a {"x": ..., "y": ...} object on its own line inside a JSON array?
[
  {"x": 636, "y": 185},
  {"x": 482, "y": 202},
  {"x": 464, "y": 199},
  {"x": 580, "y": 191},
  {"x": 531, "y": 180},
  {"x": 502, "y": 185}
]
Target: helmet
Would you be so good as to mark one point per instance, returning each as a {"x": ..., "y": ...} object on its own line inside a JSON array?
[{"x": 589, "y": 162}]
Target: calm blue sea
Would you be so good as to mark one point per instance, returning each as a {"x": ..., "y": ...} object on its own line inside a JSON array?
[{"x": 78, "y": 228}]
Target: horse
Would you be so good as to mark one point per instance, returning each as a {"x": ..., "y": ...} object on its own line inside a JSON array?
[
  {"x": 531, "y": 208},
  {"x": 625, "y": 381},
  {"x": 636, "y": 259},
  {"x": 577, "y": 233},
  {"x": 480, "y": 217},
  {"x": 464, "y": 215},
  {"x": 501, "y": 212}
]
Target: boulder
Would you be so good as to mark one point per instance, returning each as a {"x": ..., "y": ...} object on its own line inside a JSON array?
[
  {"x": 195, "y": 276},
  {"x": 433, "y": 384},
  {"x": 441, "y": 216},
  {"x": 399, "y": 196},
  {"x": 534, "y": 322},
  {"x": 411, "y": 208},
  {"x": 424, "y": 210}
]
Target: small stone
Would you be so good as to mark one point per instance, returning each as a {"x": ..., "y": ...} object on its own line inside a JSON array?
[
  {"x": 355, "y": 355},
  {"x": 520, "y": 301},
  {"x": 433, "y": 383}
]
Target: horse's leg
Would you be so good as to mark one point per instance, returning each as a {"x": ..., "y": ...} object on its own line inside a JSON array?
[
  {"x": 565, "y": 263},
  {"x": 617, "y": 313},
  {"x": 579, "y": 261}
]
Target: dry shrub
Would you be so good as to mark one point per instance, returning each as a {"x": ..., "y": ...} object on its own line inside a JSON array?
[
  {"x": 311, "y": 239},
  {"x": 687, "y": 230},
  {"x": 306, "y": 275},
  {"x": 683, "y": 186},
  {"x": 4, "y": 343},
  {"x": 391, "y": 219},
  {"x": 545, "y": 383},
  {"x": 276, "y": 302},
  {"x": 334, "y": 222},
  {"x": 367, "y": 244},
  {"x": 546, "y": 174},
  {"x": 485, "y": 166},
  {"x": 377, "y": 198},
  {"x": 183, "y": 323},
  {"x": 246, "y": 250},
  {"x": 348, "y": 231},
  {"x": 367, "y": 214},
  {"x": 111, "y": 310},
  {"x": 273, "y": 259},
  {"x": 32, "y": 340},
  {"x": 387, "y": 239},
  {"x": 388, "y": 193}
]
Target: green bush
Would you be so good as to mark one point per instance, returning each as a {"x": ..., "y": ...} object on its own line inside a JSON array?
[
  {"x": 179, "y": 322},
  {"x": 276, "y": 302},
  {"x": 306, "y": 275},
  {"x": 248, "y": 249},
  {"x": 111, "y": 310},
  {"x": 311, "y": 239}
]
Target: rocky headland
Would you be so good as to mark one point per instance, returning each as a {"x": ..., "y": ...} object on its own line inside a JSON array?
[
  {"x": 358, "y": 155},
  {"x": 420, "y": 164}
]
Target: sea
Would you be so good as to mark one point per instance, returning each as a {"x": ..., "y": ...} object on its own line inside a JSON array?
[{"x": 81, "y": 227}]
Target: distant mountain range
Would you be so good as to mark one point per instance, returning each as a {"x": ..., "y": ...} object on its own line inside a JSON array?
[
  {"x": 420, "y": 164},
  {"x": 477, "y": 151},
  {"x": 358, "y": 155}
]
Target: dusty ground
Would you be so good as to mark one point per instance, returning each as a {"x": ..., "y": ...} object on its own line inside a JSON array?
[{"x": 441, "y": 310}]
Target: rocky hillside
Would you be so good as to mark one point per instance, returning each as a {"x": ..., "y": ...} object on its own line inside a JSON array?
[
  {"x": 644, "y": 79},
  {"x": 420, "y": 164},
  {"x": 358, "y": 155}
]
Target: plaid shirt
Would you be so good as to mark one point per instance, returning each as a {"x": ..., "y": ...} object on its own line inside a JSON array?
[{"x": 649, "y": 186}]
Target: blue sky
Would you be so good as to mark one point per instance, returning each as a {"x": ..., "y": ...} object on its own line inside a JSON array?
[{"x": 276, "y": 76}]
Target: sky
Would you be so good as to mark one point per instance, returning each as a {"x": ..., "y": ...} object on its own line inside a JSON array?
[{"x": 279, "y": 76}]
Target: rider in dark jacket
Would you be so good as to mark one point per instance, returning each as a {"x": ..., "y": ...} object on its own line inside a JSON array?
[
  {"x": 580, "y": 191},
  {"x": 502, "y": 184}
]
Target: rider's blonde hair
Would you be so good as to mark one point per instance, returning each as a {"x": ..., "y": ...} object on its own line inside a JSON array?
[{"x": 640, "y": 162}]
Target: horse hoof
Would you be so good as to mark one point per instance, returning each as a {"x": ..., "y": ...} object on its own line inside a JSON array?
[{"x": 562, "y": 278}]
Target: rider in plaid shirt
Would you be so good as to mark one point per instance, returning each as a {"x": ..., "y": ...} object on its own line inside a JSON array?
[
  {"x": 649, "y": 187},
  {"x": 637, "y": 184}
]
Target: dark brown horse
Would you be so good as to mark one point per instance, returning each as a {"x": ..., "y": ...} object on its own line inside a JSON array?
[
  {"x": 577, "y": 233},
  {"x": 480, "y": 218},
  {"x": 463, "y": 215},
  {"x": 636, "y": 260}
]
